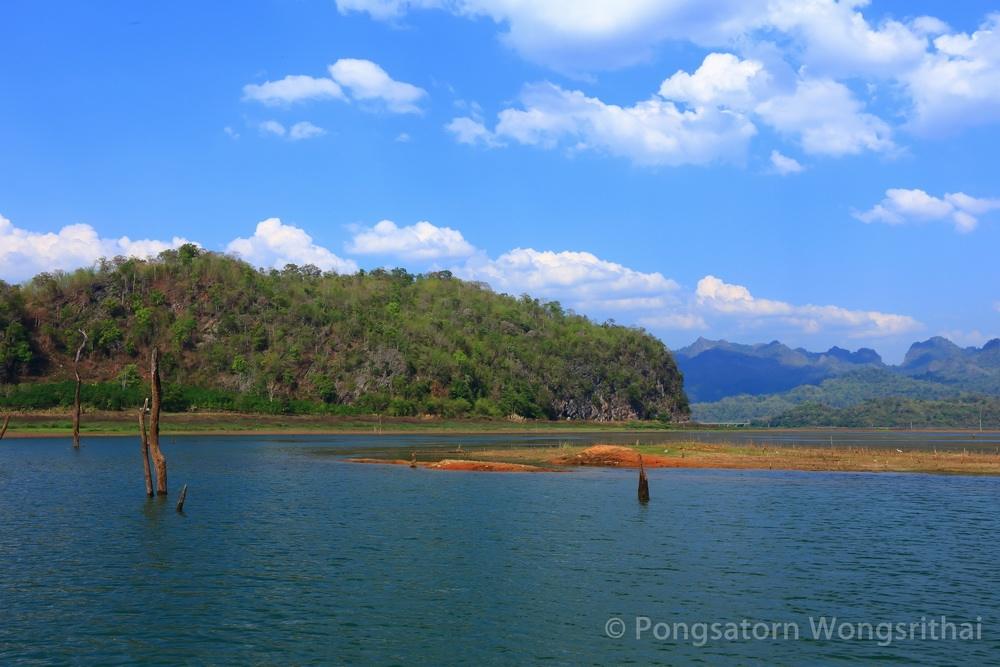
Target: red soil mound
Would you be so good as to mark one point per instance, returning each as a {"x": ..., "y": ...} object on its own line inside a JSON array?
[{"x": 613, "y": 456}]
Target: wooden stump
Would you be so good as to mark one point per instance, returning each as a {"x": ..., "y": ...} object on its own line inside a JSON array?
[
  {"x": 159, "y": 460},
  {"x": 144, "y": 448},
  {"x": 181, "y": 498},
  {"x": 643, "y": 483},
  {"x": 76, "y": 393}
]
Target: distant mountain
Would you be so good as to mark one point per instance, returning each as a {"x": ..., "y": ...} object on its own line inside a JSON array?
[
  {"x": 839, "y": 392},
  {"x": 716, "y": 369},
  {"x": 940, "y": 360},
  {"x": 934, "y": 371}
]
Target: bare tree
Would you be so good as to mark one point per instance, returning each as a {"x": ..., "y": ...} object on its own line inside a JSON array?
[
  {"x": 159, "y": 461},
  {"x": 76, "y": 394},
  {"x": 144, "y": 448},
  {"x": 643, "y": 483}
]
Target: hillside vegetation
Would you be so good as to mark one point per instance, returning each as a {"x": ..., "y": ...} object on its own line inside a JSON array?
[{"x": 300, "y": 340}]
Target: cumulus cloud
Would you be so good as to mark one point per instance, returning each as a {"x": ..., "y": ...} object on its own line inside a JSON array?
[
  {"x": 367, "y": 81},
  {"x": 836, "y": 39},
  {"x": 304, "y": 130},
  {"x": 717, "y": 295},
  {"x": 350, "y": 79},
  {"x": 420, "y": 241},
  {"x": 471, "y": 131},
  {"x": 722, "y": 79},
  {"x": 651, "y": 132},
  {"x": 581, "y": 279},
  {"x": 25, "y": 253},
  {"x": 297, "y": 132},
  {"x": 275, "y": 244},
  {"x": 582, "y": 35},
  {"x": 902, "y": 206},
  {"x": 293, "y": 88},
  {"x": 695, "y": 118},
  {"x": 827, "y": 119},
  {"x": 958, "y": 84},
  {"x": 784, "y": 165},
  {"x": 271, "y": 127}
]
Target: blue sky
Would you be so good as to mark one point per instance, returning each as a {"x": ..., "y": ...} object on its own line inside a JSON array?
[{"x": 813, "y": 171}]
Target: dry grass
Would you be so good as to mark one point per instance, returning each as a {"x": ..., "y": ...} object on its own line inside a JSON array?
[{"x": 701, "y": 455}]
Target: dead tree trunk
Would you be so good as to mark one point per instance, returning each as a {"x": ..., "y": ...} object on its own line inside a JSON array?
[
  {"x": 76, "y": 394},
  {"x": 643, "y": 483},
  {"x": 144, "y": 447},
  {"x": 181, "y": 498},
  {"x": 159, "y": 461},
  {"x": 6, "y": 423}
]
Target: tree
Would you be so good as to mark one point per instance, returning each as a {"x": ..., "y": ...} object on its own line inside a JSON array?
[{"x": 76, "y": 393}]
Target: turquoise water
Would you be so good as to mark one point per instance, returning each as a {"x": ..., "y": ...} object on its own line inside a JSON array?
[{"x": 288, "y": 556}]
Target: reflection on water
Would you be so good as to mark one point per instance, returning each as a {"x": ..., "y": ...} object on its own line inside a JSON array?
[{"x": 286, "y": 557}]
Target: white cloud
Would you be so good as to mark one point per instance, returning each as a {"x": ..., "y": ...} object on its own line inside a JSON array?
[
  {"x": 272, "y": 127},
  {"x": 958, "y": 84},
  {"x": 25, "y": 253},
  {"x": 470, "y": 131},
  {"x": 231, "y": 133},
  {"x": 297, "y": 132},
  {"x": 722, "y": 80},
  {"x": 275, "y": 244},
  {"x": 304, "y": 130},
  {"x": 293, "y": 88},
  {"x": 420, "y": 241},
  {"x": 903, "y": 206},
  {"x": 652, "y": 132},
  {"x": 581, "y": 279},
  {"x": 836, "y": 39},
  {"x": 350, "y": 78},
  {"x": 675, "y": 322},
  {"x": 714, "y": 294},
  {"x": 582, "y": 35},
  {"x": 403, "y": 138},
  {"x": 366, "y": 81},
  {"x": 827, "y": 119},
  {"x": 784, "y": 165}
]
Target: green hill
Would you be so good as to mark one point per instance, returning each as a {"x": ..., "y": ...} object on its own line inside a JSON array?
[
  {"x": 299, "y": 340},
  {"x": 839, "y": 392}
]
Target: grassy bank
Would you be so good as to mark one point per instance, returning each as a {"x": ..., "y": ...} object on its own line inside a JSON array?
[
  {"x": 701, "y": 455},
  {"x": 124, "y": 423}
]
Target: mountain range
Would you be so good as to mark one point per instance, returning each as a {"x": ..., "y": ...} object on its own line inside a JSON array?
[{"x": 733, "y": 382}]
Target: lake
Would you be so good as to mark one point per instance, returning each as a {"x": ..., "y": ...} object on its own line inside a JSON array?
[{"x": 289, "y": 555}]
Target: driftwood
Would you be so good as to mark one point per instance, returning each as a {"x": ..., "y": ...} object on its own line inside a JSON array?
[
  {"x": 3, "y": 430},
  {"x": 76, "y": 394},
  {"x": 144, "y": 447},
  {"x": 159, "y": 461},
  {"x": 643, "y": 483},
  {"x": 180, "y": 499}
]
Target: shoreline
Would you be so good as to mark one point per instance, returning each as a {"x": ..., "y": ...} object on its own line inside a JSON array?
[
  {"x": 123, "y": 424},
  {"x": 691, "y": 455}
]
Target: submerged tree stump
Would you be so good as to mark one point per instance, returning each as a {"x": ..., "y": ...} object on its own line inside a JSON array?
[
  {"x": 181, "y": 498},
  {"x": 76, "y": 393},
  {"x": 159, "y": 460},
  {"x": 643, "y": 483},
  {"x": 144, "y": 448}
]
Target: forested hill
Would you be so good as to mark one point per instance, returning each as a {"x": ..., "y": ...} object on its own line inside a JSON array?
[{"x": 299, "y": 339}]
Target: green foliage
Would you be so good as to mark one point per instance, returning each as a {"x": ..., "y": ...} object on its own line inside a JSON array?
[
  {"x": 964, "y": 412},
  {"x": 298, "y": 339}
]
